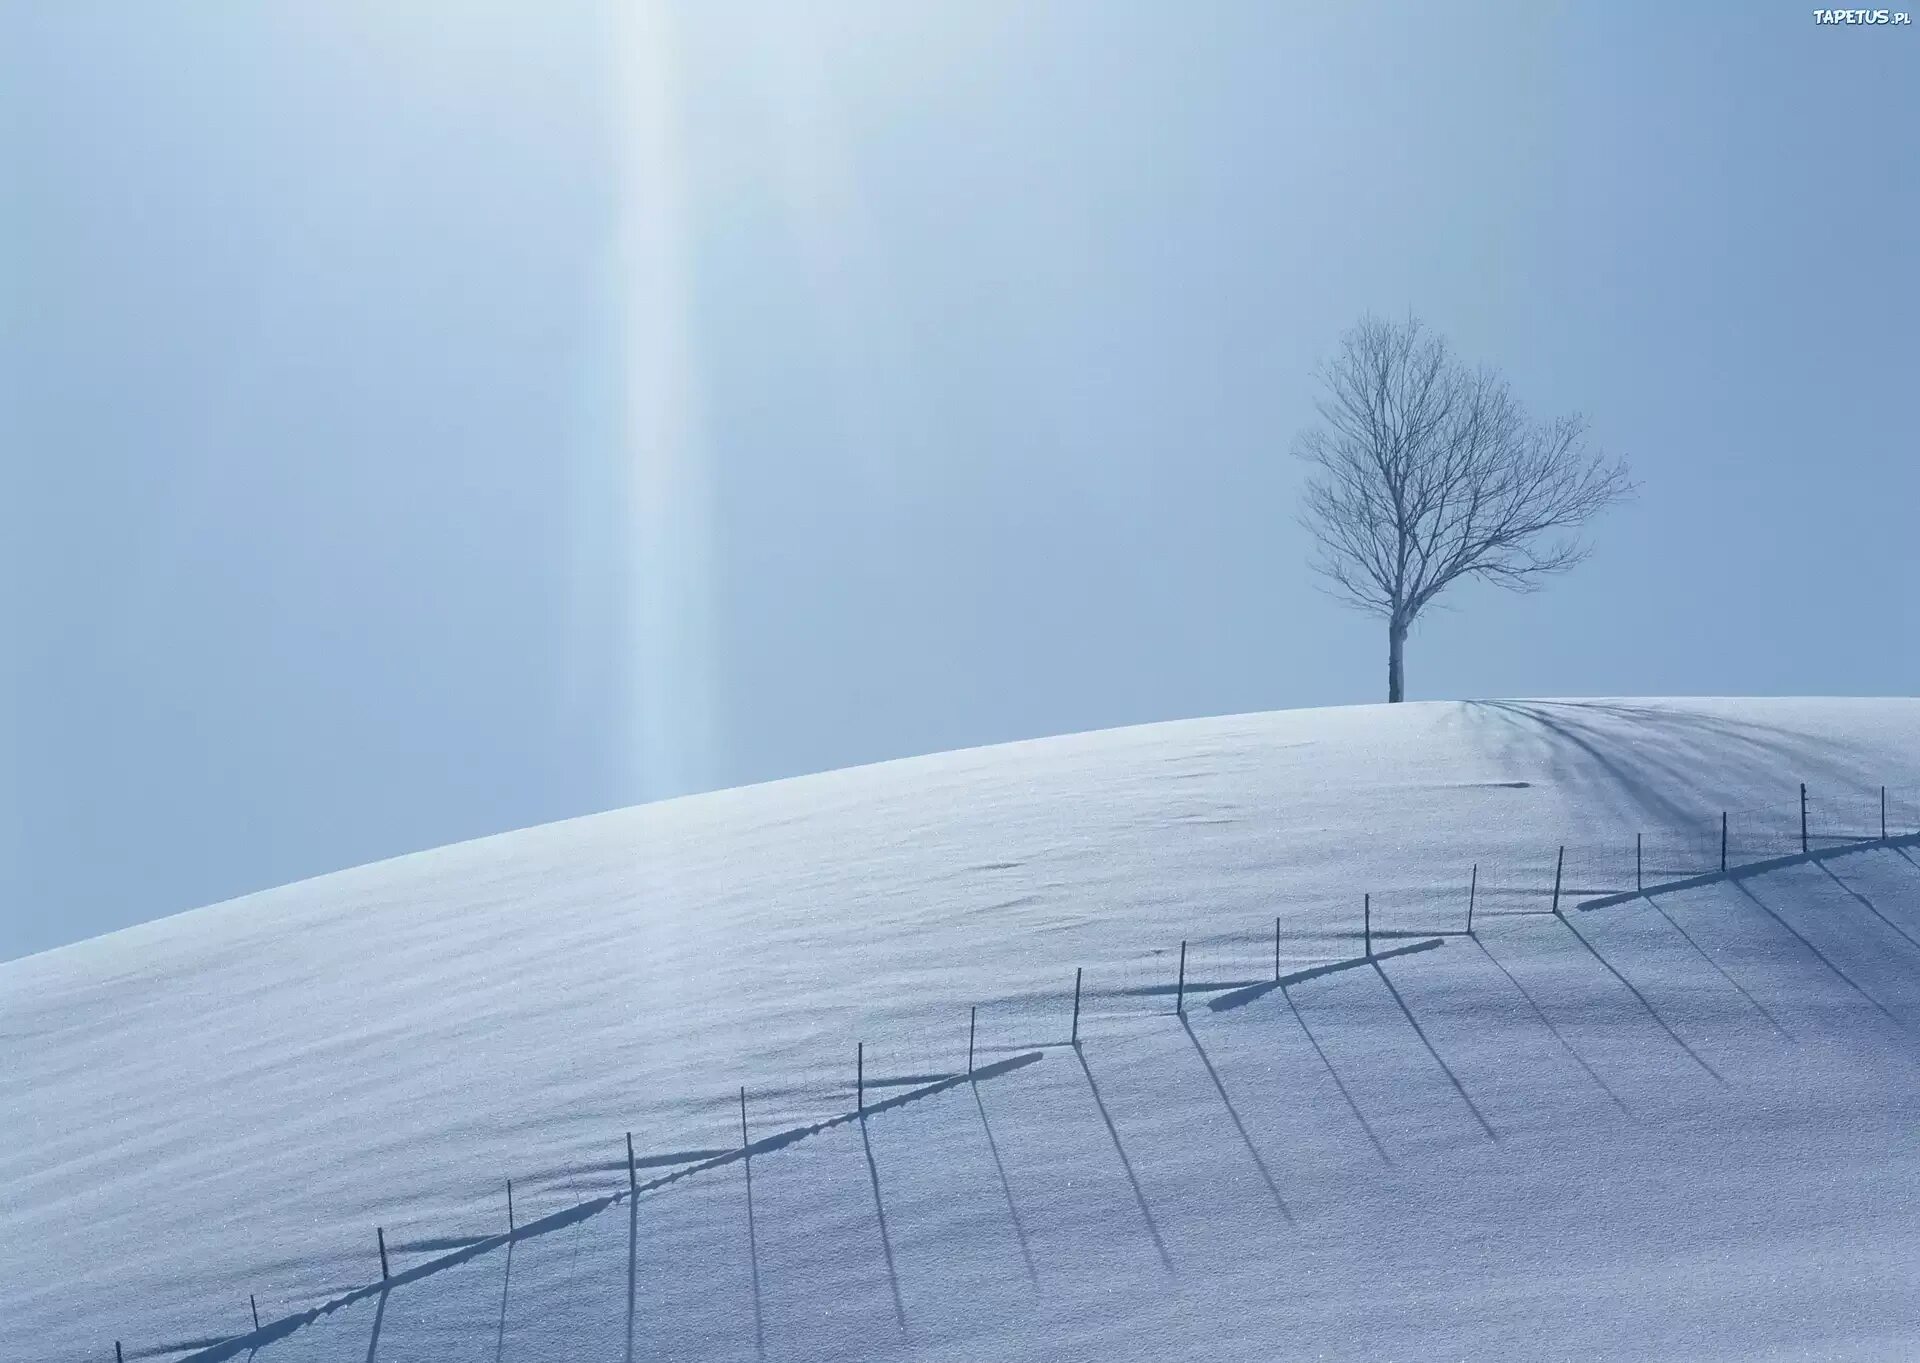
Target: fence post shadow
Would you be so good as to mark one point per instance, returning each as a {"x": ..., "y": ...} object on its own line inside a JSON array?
[
  {"x": 1233, "y": 1115},
  {"x": 1548, "y": 1022},
  {"x": 1445, "y": 1068},
  {"x": 1702, "y": 953},
  {"x": 1126, "y": 1165},
  {"x": 1006, "y": 1189},
  {"x": 506, "y": 1283},
  {"x": 1631, "y": 988},
  {"x": 1867, "y": 904},
  {"x": 1366, "y": 1126},
  {"x": 1740, "y": 884},
  {"x": 886, "y": 1240},
  {"x": 1770, "y": 837}
]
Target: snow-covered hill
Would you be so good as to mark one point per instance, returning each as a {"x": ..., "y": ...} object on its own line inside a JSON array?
[{"x": 1680, "y": 1125}]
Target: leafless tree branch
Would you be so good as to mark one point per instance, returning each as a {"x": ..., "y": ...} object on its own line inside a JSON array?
[{"x": 1426, "y": 472}]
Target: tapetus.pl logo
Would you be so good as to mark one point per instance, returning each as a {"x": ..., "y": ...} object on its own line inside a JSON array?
[{"x": 1862, "y": 16}]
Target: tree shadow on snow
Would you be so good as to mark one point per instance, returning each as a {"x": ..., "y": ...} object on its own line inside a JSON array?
[{"x": 1652, "y": 757}]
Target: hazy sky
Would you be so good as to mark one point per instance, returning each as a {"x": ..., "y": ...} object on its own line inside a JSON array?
[{"x": 424, "y": 420}]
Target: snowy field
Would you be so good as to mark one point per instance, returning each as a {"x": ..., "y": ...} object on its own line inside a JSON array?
[{"x": 1684, "y": 1124}]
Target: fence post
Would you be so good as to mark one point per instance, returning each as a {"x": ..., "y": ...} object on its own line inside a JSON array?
[
  {"x": 1558, "y": 863},
  {"x": 744, "y": 1142},
  {"x": 1366, "y": 922},
  {"x": 1473, "y": 890},
  {"x": 1639, "y": 883},
  {"x": 254, "y": 1307},
  {"x": 633, "y": 1181},
  {"x": 1723, "y": 842},
  {"x": 380, "y": 1234},
  {"x": 1883, "y": 814},
  {"x": 1276, "y": 946},
  {"x": 509, "y": 1207},
  {"x": 860, "y": 1076},
  {"x": 1803, "y": 818},
  {"x": 973, "y": 1018},
  {"x": 1180, "y": 989},
  {"x": 116, "y": 1353},
  {"x": 1074, "y": 1036}
]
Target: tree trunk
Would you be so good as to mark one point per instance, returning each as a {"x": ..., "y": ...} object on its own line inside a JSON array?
[{"x": 1396, "y": 670}]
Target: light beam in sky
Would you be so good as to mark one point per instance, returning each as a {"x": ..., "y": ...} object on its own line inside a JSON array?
[{"x": 664, "y": 498}]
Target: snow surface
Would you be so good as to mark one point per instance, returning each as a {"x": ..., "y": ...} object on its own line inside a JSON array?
[{"x": 1685, "y": 1125}]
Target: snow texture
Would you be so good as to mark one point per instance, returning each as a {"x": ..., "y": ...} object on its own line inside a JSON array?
[{"x": 1683, "y": 1124}]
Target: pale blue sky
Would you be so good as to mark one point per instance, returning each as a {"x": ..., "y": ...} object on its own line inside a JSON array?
[{"x": 425, "y": 420}]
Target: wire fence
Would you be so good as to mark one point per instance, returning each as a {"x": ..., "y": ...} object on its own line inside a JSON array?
[{"x": 894, "y": 1061}]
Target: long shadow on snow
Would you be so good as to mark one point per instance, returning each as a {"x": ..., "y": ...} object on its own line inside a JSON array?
[
  {"x": 1818, "y": 954},
  {"x": 1153, "y": 1228},
  {"x": 1651, "y": 1011},
  {"x": 568, "y": 1216},
  {"x": 379, "y": 1318},
  {"x": 177, "y": 1347},
  {"x": 1191, "y": 987},
  {"x": 1818, "y": 856},
  {"x": 913, "y": 1080},
  {"x": 886, "y": 1241},
  {"x": 568, "y": 1173},
  {"x": 1006, "y": 1188},
  {"x": 633, "y": 1273},
  {"x": 440, "y": 1245},
  {"x": 506, "y": 1281},
  {"x": 1240, "y": 998},
  {"x": 1238, "y": 1125},
  {"x": 1546, "y": 1021},
  {"x": 1657, "y": 751},
  {"x": 753, "y": 1263},
  {"x": 1720, "y": 969},
  {"x": 1867, "y": 904},
  {"x": 1445, "y": 1068},
  {"x": 1338, "y": 1082}
]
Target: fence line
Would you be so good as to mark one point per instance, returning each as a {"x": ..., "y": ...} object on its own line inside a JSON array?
[{"x": 1732, "y": 842}]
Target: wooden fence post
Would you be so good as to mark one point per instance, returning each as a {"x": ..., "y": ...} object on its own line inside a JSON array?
[
  {"x": 1803, "y": 818},
  {"x": 973, "y": 1019},
  {"x": 1180, "y": 989},
  {"x": 633, "y": 1180},
  {"x": 1074, "y": 1036},
  {"x": 1559, "y": 863},
  {"x": 1473, "y": 890},
  {"x": 380, "y": 1234},
  {"x": 1366, "y": 922}
]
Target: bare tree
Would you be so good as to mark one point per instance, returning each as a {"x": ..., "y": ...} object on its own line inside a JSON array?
[{"x": 1427, "y": 471}]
